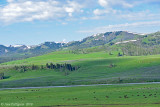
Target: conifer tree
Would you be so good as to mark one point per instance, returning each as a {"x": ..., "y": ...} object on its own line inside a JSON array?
[{"x": 1, "y": 76}]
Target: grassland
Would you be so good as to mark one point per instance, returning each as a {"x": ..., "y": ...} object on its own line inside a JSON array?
[
  {"x": 94, "y": 69},
  {"x": 91, "y": 96}
]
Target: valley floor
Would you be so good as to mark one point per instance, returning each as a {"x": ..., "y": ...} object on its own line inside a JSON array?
[{"x": 125, "y": 95}]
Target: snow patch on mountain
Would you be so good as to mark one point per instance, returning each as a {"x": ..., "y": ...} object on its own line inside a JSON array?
[
  {"x": 136, "y": 33},
  {"x": 15, "y": 46},
  {"x": 96, "y": 35},
  {"x": 6, "y": 51},
  {"x": 126, "y": 41}
]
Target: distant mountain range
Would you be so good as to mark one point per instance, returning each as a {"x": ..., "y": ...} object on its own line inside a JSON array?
[
  {"x": 5, "y": 50},
  {"x": 91, "y": 41},
  {"x": 111, "y": 38}
]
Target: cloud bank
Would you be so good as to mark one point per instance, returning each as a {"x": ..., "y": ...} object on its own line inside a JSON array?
[
  {"x": 31, "y": 10},
  {"x": 27, "y": 10}
]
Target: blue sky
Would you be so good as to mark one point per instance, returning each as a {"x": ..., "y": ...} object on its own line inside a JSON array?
[{"x": 33, "y": 22}]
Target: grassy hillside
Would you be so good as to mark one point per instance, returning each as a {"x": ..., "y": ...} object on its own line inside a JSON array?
[
  {"x": 92, "y": 96},
  {"x": 129, "y": 43},
  {"x": 94, "y": 68},
  {"x": 60, "y": 56},
  {"x": 9, "y": 53}
]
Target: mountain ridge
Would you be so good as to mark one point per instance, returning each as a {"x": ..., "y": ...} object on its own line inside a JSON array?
[{"x": 110, "y": 38}]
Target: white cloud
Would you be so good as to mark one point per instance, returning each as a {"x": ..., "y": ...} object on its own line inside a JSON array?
[
  {"x": 27, "y": 10},
  {"x": 141, "y": 15},
  {"x": 30, "y": 10},
  {"x": 73, "y": 7},
  {"x": 100, "y": 12},
  {"x": 103, "y": 2},
  {"x": 125, "y": 9},
  {"x": 110, "y": 3},
  {"x": 109, "y": 7},
  {"x": 69, "y": 10},
  {"x": 122, "y": 27}
]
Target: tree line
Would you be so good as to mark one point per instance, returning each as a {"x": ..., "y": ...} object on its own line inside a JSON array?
[{"x": 61, "y": 67}]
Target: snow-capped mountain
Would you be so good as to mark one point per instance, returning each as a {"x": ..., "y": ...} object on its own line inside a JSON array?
[{"x": 94, "y": 40}]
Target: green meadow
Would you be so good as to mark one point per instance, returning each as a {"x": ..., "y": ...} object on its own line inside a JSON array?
[
  {"x": 94, "y": 69},
  {"x": 145, "y": 95}
]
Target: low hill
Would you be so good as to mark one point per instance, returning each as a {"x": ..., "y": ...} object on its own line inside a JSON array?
[{"x": 93, "y": 68}]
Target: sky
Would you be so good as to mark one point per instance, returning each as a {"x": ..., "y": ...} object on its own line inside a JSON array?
[{"x": 32, "y": 22}]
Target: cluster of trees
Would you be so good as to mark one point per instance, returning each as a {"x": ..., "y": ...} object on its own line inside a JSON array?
[
  {"x": 61, "y": 67},
  {"x": 1, "y": 76},
  {"x": 22, "y": 68}
]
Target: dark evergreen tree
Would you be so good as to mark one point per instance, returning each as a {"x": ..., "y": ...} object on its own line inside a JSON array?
[
  {"x": 1, "y": 76},
  {"x": 47, "y": 65},
  {"x": 33, "y": 67},
  {"x": 58, "y": 66},
  {"x": 51, "y": 65},
  {"x": 119, "y": 54}
]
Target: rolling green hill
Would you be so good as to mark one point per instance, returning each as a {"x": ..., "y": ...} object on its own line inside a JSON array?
[
  {"x": 117, "y": 60},
  {"x": 95, "y": 68},
  {"x": 15, "y": 52},
  {"x": 131, "y": 44}
]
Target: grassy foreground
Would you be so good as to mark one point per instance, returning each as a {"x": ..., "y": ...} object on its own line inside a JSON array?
[{"x": 90, "y": 96}]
